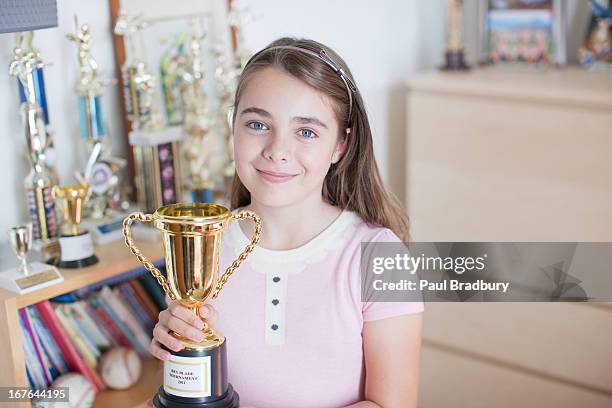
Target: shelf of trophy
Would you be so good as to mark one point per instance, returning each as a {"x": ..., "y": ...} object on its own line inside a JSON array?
[
  {"x": 137, "y": 396},
  {"x": 114, "y": 259}
]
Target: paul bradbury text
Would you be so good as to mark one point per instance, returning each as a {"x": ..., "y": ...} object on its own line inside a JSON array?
[{"x": 450, "y": 284}]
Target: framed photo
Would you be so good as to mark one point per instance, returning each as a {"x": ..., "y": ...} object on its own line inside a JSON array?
[{"x": 526, "y": 32}]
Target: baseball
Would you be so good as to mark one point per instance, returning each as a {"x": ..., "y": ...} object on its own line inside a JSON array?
[
  {"x": 81, "y": 393},
  {"x": 120, "y": 368}
]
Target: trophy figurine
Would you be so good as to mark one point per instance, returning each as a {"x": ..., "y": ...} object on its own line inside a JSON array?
[
  {"x": 76, "y": 246},
  {"x": 27, "y": 66},
  {"x": 155, "y": 147},
  {"x": 195, "y": 376},
  {"x": 101, "y": 169},
  {"x": 455, "y": 52},
  {"x": 28, "y": 276}
]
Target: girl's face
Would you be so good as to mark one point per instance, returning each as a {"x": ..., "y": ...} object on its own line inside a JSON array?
[{"x": 285, "y": 139}]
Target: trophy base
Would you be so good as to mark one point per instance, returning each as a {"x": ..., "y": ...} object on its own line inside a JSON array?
[
  {"x": 39, "y": 276},
  {"x": 165, "y": 400},
  {"x": 76, "y": 251},
  {"x": 455, "y": 61},
  {"x": 196, "y": 377},
  {"x": 79, "y": 263}
]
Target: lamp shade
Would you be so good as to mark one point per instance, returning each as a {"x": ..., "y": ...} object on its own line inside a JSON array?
[{"x": 27, "y": 15}]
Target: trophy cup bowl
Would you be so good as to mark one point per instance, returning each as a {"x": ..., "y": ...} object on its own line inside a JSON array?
[
  {"x": 75, "y": 244},
  {"x": 20, "y": 238},
  {"x": 196, "y": 376}
]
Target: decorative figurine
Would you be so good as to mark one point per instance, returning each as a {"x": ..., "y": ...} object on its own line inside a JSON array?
[
  {"x": 596, "y": 53},
  {"x": 101, "y": 170},
  {"x": 155, "y": 146},
  {"x": 27, "y": 67},
  {"x": 455, "y": 51}
]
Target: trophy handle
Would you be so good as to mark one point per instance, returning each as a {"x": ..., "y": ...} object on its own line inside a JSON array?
[
  {"x": 247, "y": 250},
  {"x": 127, "y": 233}
]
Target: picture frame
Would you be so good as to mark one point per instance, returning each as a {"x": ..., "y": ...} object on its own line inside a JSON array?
[{"x": 522, "y": 32}]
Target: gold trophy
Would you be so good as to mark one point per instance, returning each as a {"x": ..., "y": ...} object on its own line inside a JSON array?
[
  {"x": 195, "y": 376},
  {"x": 76, "y": 246}
]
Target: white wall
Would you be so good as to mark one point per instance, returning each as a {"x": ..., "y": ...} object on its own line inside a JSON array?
[
  {"x": 63, "y": 113},
  {"x": 382, "y": 41}
]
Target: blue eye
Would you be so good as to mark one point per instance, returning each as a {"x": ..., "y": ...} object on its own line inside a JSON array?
[
  {"x": 257, "y": 126},
  {"x": 307, "y": 133}
]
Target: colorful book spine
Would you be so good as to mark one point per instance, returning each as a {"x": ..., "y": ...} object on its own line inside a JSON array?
[
  {"x": 145, "y": 299},
  {"x": 85, "y": 349},
  {"x": 154, "y": 290},
  {"x": 72, "y": 356},
  {"x": 36, "y": 374},
  {"x": 48, "y": 344},
  {"x": 125, "y": 293},
  {"x": 125, "y": 331},
  {"x": 36, "y": 344},
  {"x": 102, "y": 325},
  {"x": 108, "y": 322},
  {"x": 143, "y": 338},
  {"x": 87, "y": 325}
]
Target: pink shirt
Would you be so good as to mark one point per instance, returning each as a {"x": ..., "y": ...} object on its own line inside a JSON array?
[{"x": 293, "y": 319}]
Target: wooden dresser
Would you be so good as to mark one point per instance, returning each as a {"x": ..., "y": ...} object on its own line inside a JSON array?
[{"x": 508, "y": 155}]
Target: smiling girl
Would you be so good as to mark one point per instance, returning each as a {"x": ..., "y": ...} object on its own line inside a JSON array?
[{"x": 299, "y": 334}]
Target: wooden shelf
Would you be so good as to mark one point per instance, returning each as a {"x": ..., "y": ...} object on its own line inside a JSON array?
[
  {"x": 564, "y": 86},
  {"x": 115, "y": 258},
  {"x": 139, "y": 395}
]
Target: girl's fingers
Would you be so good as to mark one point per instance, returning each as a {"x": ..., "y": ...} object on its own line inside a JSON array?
[
  {"x": 181, "y": 312},
  {"x": 209, "y": 313},
  {"x": 157, "y": 351},
  {"x": 160, "y": 333},
  {"x": 180, "y": 327}
]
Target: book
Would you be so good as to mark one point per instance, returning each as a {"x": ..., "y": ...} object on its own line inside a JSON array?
[
  {"x": 35, "y": 342},
  {"x": 82, "y": 317},
  {"x": 73, "y": 358},
  {"x": 36, "y": 375},
  {"x": 108, "y": 323},
  {"x": 154, "y": 290},
  {"x": 86, "y": 350},
  {"x": 125, "y": 330},
  {"x": 48, "y": 344},
  {"x": 123, "y": 313},
  {"x": 101, "y": 325},
  {"x": 145, "y": 299},
  {"x": 127, "y": 295}
]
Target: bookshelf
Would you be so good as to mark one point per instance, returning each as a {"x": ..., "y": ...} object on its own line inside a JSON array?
[{"x": 115, "y": 259}]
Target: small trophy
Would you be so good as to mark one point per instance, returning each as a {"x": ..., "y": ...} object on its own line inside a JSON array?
[
  {"x": 455, "y": 51},
  {"x": 196, "y": 376},
  {"x": 27, "y": 65},
  {"x": 155, "y": 147},
  {"x": 29, "y": 276},
  {"x": 76, "y": 246},
  {"x": 101, "y": 169}
]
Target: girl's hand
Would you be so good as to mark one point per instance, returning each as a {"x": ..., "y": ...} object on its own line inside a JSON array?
[{"x": 182, "y": 321}]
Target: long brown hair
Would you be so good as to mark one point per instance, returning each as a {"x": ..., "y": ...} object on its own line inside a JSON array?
[{"x": 354, "y": 182}]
